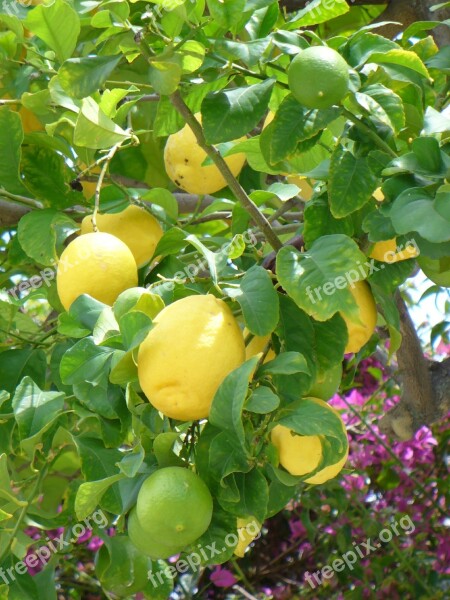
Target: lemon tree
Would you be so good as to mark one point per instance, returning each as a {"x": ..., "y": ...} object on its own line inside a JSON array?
[{"x": 210, "y": 212}]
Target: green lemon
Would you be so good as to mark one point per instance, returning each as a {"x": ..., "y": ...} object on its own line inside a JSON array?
[
  {"x": 437, "y": 270},
  {"x": 327, "y": 384},
  {"x": 318, "y": 77},
  {"x": 145, "y": 543},
  {"x": 175, "y": 506}
]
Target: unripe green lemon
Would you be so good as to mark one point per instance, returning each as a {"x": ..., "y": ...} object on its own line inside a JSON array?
[
  {"x": 318, "y": 77},
  {"x": 145, "y": 543},
  {"x": 174, "y": 505}
]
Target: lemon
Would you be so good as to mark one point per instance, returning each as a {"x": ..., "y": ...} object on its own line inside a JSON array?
[
  {"x": 318, "y": 77},
  {"x": 378, "y": 195},
  {"x": 306, "y": 190},
  {"x": 174, "y": 506},
  {"x": 327, "y": 384},
  {"x": 30, "y": 122},
  {"x": 183, "y": 159},
  {"x": 97, "y": 264},
  {"x": 154, "y": 548},
  {"x": 195, "y": 343},
  {"x": 301, "y": 454},
  {"x": 257, "y": 345},
  {"x": 386, "y": 251},
  {"x": 248, "y": 529},
  {"x": 135, "y": 226},
  {"x": 360, "y": 333}
]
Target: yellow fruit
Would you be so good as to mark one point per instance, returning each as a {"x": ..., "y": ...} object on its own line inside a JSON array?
[
  {"x": 183, "y": 159},
  {"x": 378, "y": 195},
  {"x": 385, "y": 251},
  {"x": 97, "y": 264},
  {"x": 174, "y": 506},
  {"x": 318, "y": 77},
  {"x": 89, "y": 187},
  {"x": 306, "y": 190},
  {"x": 248, "y": 529},
  {"x": 30, "y": 122},
  {"x": 360, "y": 333},
  {"x": 135, "y": 226},
  {"x": 257, "y": 345},
  {"x": 155, "y": 548},
  {"x": 301, "y": 454},
  {"x": 195, "y": 343}
]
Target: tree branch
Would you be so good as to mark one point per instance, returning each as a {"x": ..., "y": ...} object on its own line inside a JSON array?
[
  {"x": 426, "y": 385},
  {"x": 260, "y": 220}
]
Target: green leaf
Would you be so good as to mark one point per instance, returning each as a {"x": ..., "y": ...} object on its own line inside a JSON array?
[
  {"x": 16, "y": 364},
  {"x": 292, "y": 124},
  {"x": 134, "y": 327},
  {"x": 229, "y": 114},
  {"x": 440, "y": 61},
  {"x": 58, "y": 25},
  {"x": 286, "y": 363},
  {"x": 318, "y": 11},
  {"x": 249, "y": 53},
  {"x": 86, "y": 310},
  {"x": 216, "y": 260},
  {"x": 10, "y": 151},
  {"x": 216, "y": 536},
  {"x": 351, "y": 183},
  {"x": 228, "y": 403},
  {"x": 94, "y": 129},
  {"x": 403, "y": 58},
  {"x": 259, "y": 301},
  {"x": 318, "y": 280},
  {"x": 81, "y": 77},
  {"x": 165, "y": 76},
  {"x": 331, "y": 338},
  {"x": 428, "y": 154},
  {"x": 90, "y": 493},
  {"x": 39, "y": 231},
  {"x": 253, "y": 496},
  {"x": 227, "y": 456},
  {"x": 318, "y": 221},
  {"x": 35, "y": 411},
  {"x": 390, "y": 103},
  {"x": 416, "y": 210},
  {"x": 226, "y": 14},
  {"x": 163, "y": 198},
  {"x": 308, "y": 417},
  {"x": 84, "y": 362},
  {"x": 262, "y": 401}
]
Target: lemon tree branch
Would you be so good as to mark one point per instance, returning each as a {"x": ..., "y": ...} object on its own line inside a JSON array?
[{"x": 259, "y": 219}]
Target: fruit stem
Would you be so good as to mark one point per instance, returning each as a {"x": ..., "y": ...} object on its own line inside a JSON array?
[
  {"x": 260, "y": 220},
  {"x": 107, "y": 159},
  {"x": 369, "y": 132}
]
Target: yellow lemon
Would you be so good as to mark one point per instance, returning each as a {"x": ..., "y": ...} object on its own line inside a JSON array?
[
  {"x": 360, "y": 333},
  {"x": 183, "y": 159},
  {"x": 248, "y": 529},
  {"x": 135, "y": 226},
  {"x": 257, "y": 345},
  {"x": 301, "y": 454},
  {"x": 97, "y": 264},
  {"x": 306, "y": 190},
  {"x": 268, "y": 120},
  {"x": 386, "y": 251},
  {"x": 195, "y": 343},
  {"x": 378, "y": 195}
]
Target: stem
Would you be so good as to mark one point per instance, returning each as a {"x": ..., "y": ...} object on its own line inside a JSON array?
[
  {"x": 369, "y": 132},
  {"x": 260, "y": 220},
  {"x": 5, "y": 101},
  {"x": 23, "y": 512},
  {"x": 21, "y": 199},
  {"x": 286, "y": 207},
  {"x": 108, "y": 158}
]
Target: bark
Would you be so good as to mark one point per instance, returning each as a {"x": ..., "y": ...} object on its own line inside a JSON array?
[{"x": 426, "y": 385}]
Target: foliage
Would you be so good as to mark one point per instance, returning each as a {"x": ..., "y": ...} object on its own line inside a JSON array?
[{"x": 90, "y": 92}]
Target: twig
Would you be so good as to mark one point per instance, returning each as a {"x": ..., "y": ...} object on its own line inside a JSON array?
[
  {"x": 21, "y": 199},
  {"x": 220, "y": 163},
  {"x": 108, "y": 158}
]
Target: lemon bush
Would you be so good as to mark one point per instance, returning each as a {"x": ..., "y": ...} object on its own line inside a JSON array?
[{"x": 192, "y": 239}]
